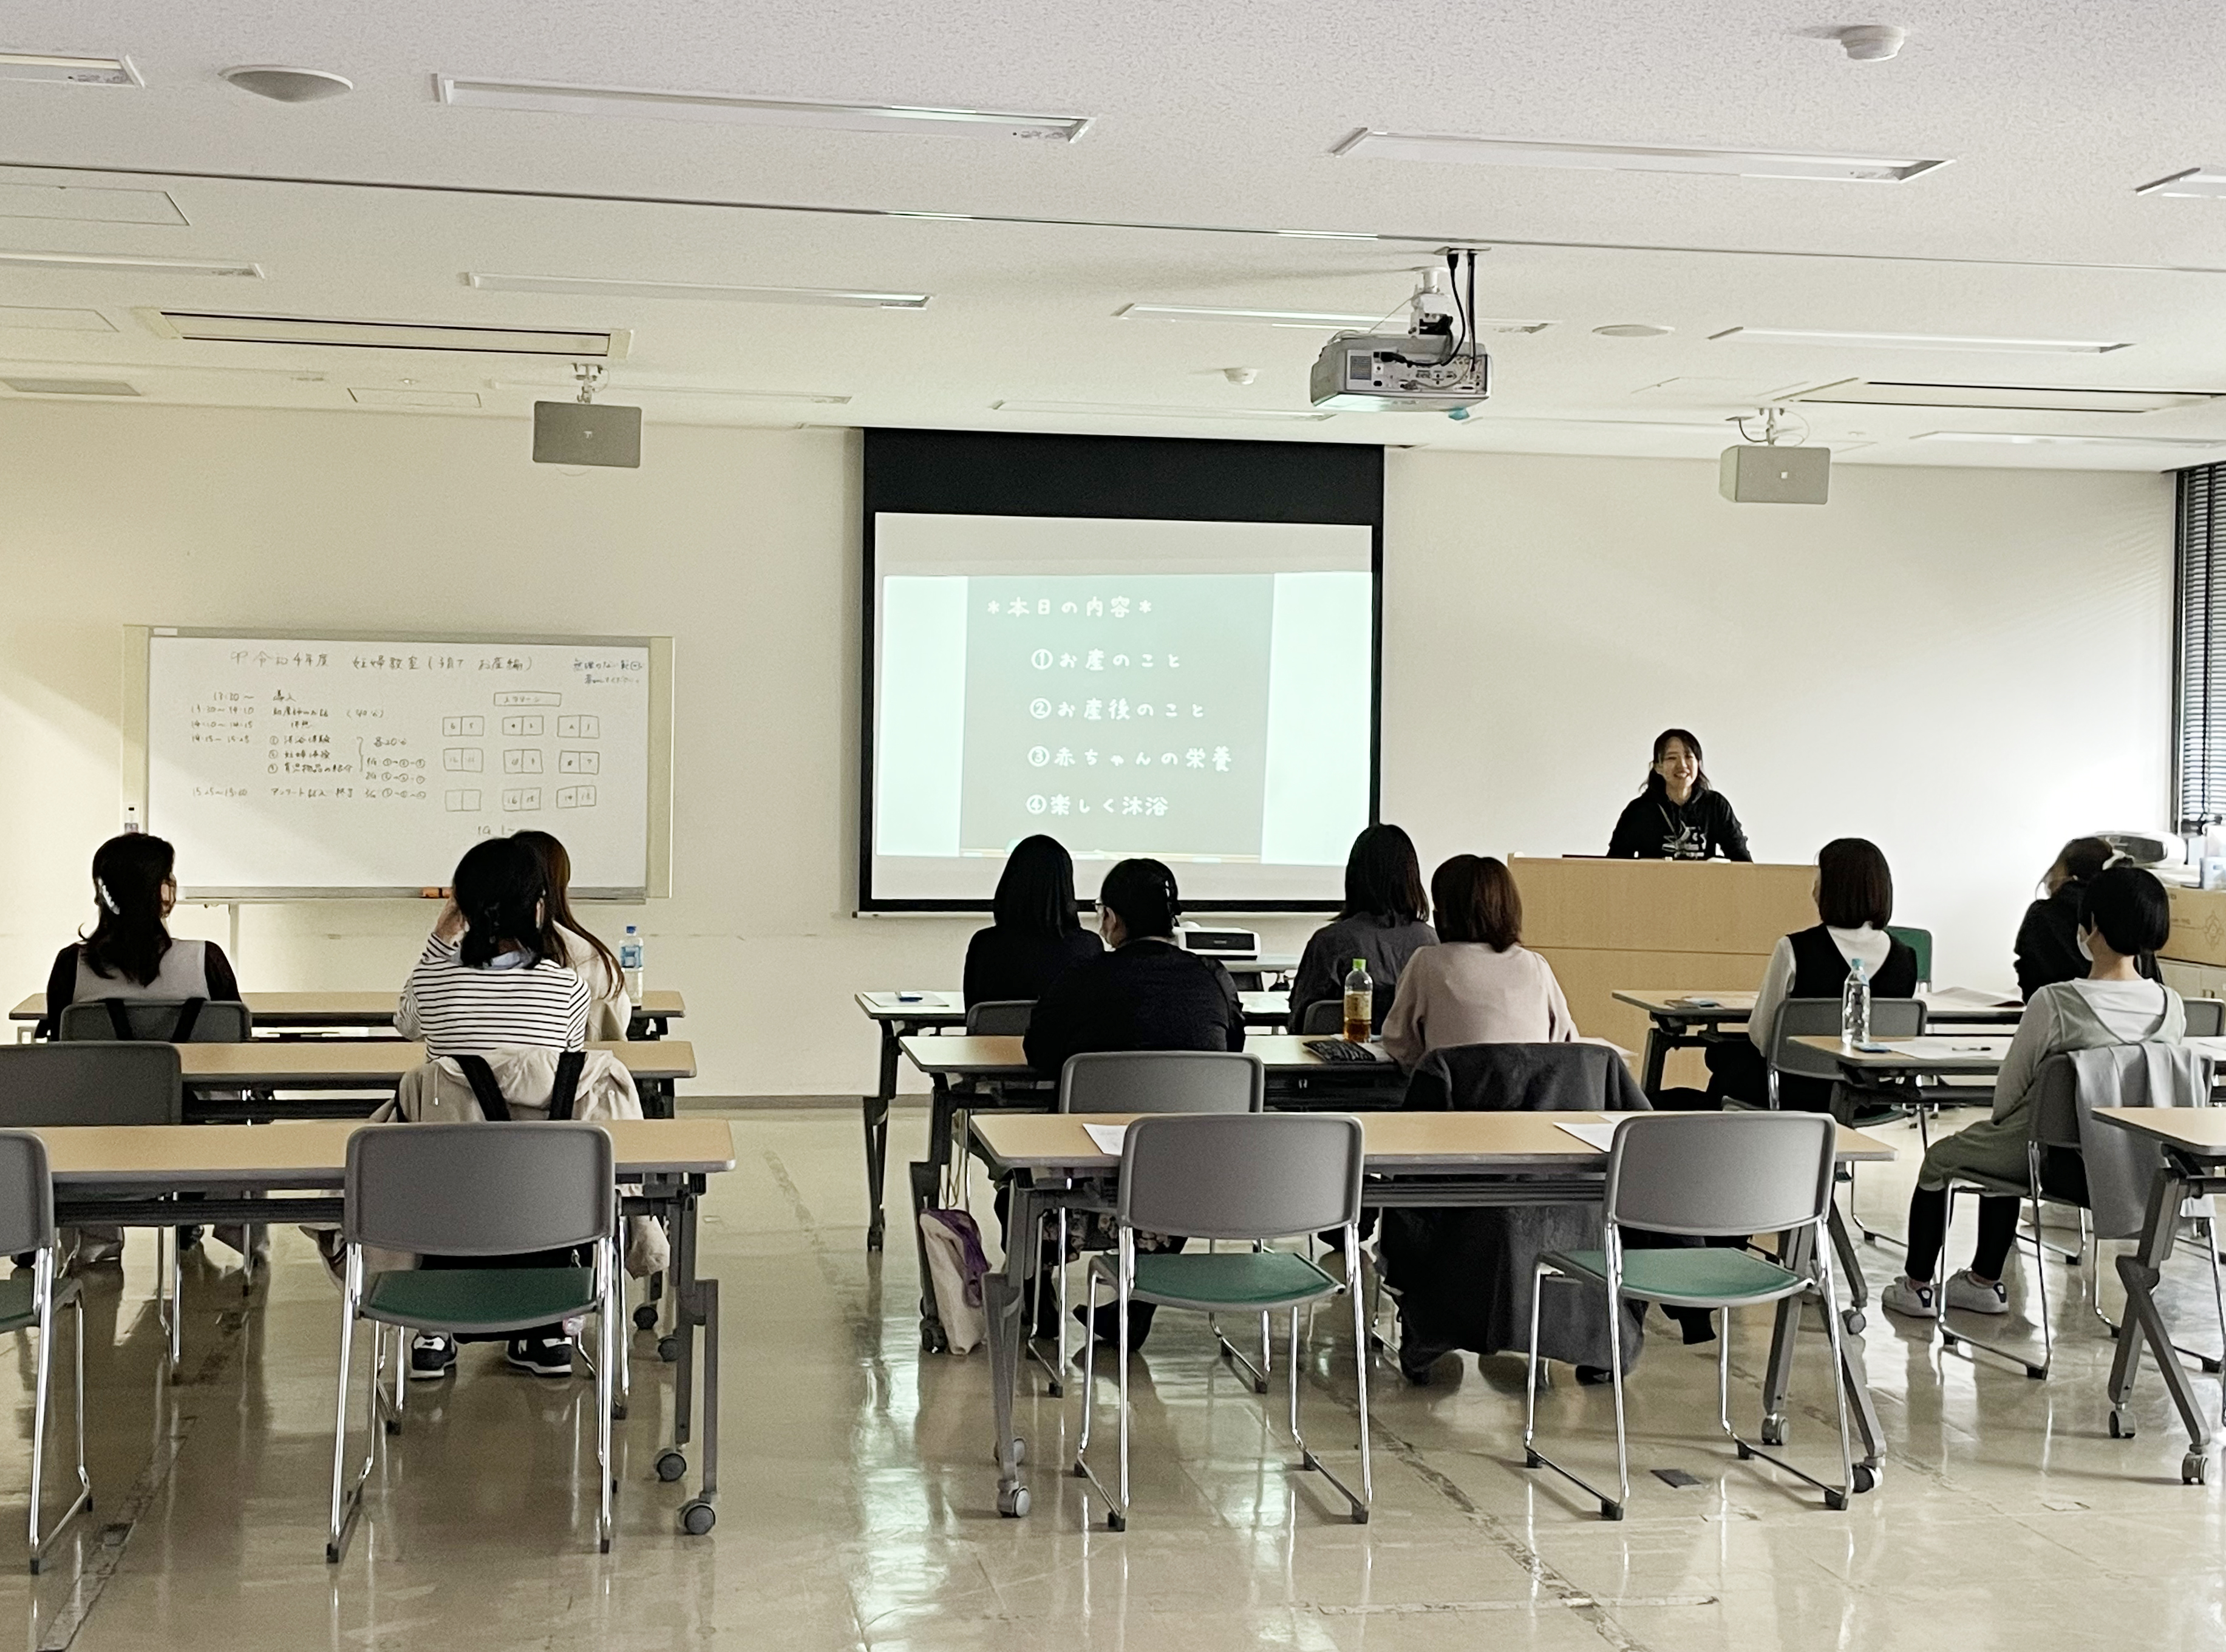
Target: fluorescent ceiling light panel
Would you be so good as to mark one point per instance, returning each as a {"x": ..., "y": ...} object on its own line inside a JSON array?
[
  {"x": 374, "y": 398},
  {"x": 2038, "y": 439},
  {"x": 2198, "y": 184},
  {"x": 598, "y": 286},
  {"x": 83, "y": 263},
  {"x": 55, "y": 320},
  {"x": 1920, "y": 341},
  {"x": 389, "y": 335},
  {"x": 631, "y": 388},
  {"x": 88, "y": 206},
  {"x": 77, "y": 71},
  {"x": 2000, "y": 398},
  {"x": 1318, "y": 320},
  {"x": 69, "y": 386},
  {"x": 1374, "y": 145},
  {"x": 1137, "y": 410},
  {"x": 555, "y": 97}
]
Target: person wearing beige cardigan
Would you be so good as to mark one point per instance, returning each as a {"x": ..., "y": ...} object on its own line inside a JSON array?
[{"x": 1478, "y": 984}]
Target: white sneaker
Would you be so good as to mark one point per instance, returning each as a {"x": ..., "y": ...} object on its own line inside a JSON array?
[
  {"x": 1970, "y": 1294},
  {"x": 1912, "y": 1296}
]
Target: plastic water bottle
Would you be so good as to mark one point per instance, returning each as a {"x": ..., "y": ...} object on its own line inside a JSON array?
[
  {"x": 1855, "y": 1006},
  {"x": 1359, "y": 1003},
  {"x": 631, "y": 952}
]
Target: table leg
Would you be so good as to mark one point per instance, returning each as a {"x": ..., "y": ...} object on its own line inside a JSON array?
[
  {"x": 2141, "y": 1273},
  {"x": 657, "y": 1097},
  {"x": 1002, "y": 1294},
  {"x": 877, "y": 1135},
  {"x": 926, "y": 1178},
  {"x": 683, "y": 1319},
  {"x": 1657, "y": 1059}
]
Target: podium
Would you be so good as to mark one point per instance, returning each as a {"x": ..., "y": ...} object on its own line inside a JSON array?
[{"x": 1679, "y": 925}]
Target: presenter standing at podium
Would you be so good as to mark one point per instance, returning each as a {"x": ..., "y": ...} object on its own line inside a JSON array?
[{"x": 1679, "y": 816}]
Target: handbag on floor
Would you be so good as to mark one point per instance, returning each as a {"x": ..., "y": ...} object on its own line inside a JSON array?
[{"x": 956, "y": 1265}]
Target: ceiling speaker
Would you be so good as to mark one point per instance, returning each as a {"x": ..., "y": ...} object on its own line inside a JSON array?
[{"x": 577, "y": 433}]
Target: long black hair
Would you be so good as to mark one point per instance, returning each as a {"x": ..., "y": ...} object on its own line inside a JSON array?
[
  {"x": 1035, "y": 892},
  {"x": 1655, "y": 785},
  {"x": 1141, "y": 894},
  {"x": 129, "y": 937},
  {"x": 1383, "y": 877},
  {"x": 556, "y": 919},
  {"x": 501, "y": 889}
]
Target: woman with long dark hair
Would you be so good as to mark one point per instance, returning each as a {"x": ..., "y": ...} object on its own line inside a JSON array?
[
  {"x": 572, "y": 944},
  {"x": 2048, "y": 940},
  {"x": 1038, "y": 935},
  {"x": 1384, "y": 920},
  {"x": 1677, "y": 816},
  {"x": 130, "y": 953}
]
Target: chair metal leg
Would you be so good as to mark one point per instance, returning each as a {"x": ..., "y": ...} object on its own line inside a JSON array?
[
  {"x": 606, "y": 1309},
  {"x": 1813, "y": 1249},
  {"x": 1306, "y": 1459},
  {"x": 1124, "y": 1285},
  {"x": 1089, "y": 1377},
  {"x": 1610, "y": 1507},
  {"x": 1257, "y": 1375},
  {"x": 169, "y": 1235},
  {"x": 40, "y": 1535},
  {"x": 347, "y": 1496}
]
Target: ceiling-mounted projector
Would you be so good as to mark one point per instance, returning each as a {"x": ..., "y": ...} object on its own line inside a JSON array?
[{"x": 1435, "y": 366}]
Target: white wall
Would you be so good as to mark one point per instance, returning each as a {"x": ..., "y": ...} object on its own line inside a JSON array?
[{"x": 1967, "y": 665}]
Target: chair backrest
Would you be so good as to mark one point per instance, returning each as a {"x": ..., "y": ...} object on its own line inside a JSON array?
[
  {"x": 2055, "y": 1105},
  {"x": 1163, "y": 1081},
  {"x": 2206, "y": 1018},
  {"x": 1252, "y": 1176},
  {"x": 1918, "y": 941},
  {"x": 479, "y": 1190},
  {"x": 1819, "y": 1018},
  {"x": 1323, "y": 1015},
  {"x": 1720, "y": 1173},
  {"x": 1000, "y": 1018},
  {"x": 26, "y": 1194},
  {"x": 89, "y": 1083},
  {"x": 161, "y": 1020}
]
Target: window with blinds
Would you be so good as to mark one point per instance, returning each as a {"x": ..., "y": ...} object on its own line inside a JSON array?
[{"x": 2200, "y": 702}]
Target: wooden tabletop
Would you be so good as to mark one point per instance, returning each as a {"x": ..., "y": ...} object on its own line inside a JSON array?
[
  {"x": 1977, "y": 1052},
  {"x": 1002, "y": 1058},
  {"x": 308, "y": 1154},
  {"x": 1962, "y": 1004},
  {"x": 1408, "y": 1142},
  {"x": 948, "y": 1008},
  {"x": 345, "y": 1008},
  {"x": 2200, "y": 1132},
  {"x": 379, "y": 1062}
]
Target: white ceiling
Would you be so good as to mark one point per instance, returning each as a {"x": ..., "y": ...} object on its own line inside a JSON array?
[{"x": 1216, "y": 118}]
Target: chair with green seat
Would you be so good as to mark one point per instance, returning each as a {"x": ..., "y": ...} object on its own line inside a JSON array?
[
  {"x": 27, "y": 1302},
  {"x": 1248, "y": 1177},
  {"x": 1918, "y": 941},
  {"x": 1710, "y": 1175},
  {"x": 482, "y": 1190}
]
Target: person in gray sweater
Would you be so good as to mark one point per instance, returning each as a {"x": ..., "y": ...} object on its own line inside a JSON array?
[{"x": 1384, "y": 920}]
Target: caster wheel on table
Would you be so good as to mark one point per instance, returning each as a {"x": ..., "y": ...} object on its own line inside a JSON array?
[
  {"x": 874, "y": 1235},
  {"x": 1866, "y": 1479},
  {"x": 668, "y": 1349},
  {"x": 1611, "y": 1510},
  {"x": 2194, "y": 1470},
  {"x": 645, "y": 1317},
  {"x": 671, "y": 1466},
  {"x": 1117, "y": 1523},
  {"x": 1013, "y": 1504},
  {"x": 1853, "y": 1322},
  {"x": 931, "y": 1339},
  {"x": 1773, "y": 1429},
  {"x": 2121, "y": 1427},
  {"x": 698, "y": 1517}
]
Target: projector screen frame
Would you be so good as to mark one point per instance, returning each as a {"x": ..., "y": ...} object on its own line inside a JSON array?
[
  {"x": 138, "y": 643},
  {"x": 979, "y": 472}
]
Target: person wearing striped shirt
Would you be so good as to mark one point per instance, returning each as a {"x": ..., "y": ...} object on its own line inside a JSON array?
[{"x": 482, "y": 985}]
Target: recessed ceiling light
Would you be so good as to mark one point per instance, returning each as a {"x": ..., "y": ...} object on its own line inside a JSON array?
[
  {"x": 1137, "y": 410},
  {"x": 2036, "y": 439},
  {"x": 374, "y": 398},
  {"x": 2202, "y": 183},
  {"x": 1921, "y": 341},
  {"x": 1633, "y": 330},
  {"x": 1317, "y": 320},
  {"x": 1375, "y": 145},
  {"x": 77, "y": 71},
  {"x": 2023, "y": 398},
  {"x": 283, "y": 84},
  {"x": 555, "y": 97},
  {"x": 80, "y": 263},
  {"x": 79, "y": 205},
  {"x": 55, "y": 320},
  {"x": 581, "y": 343},
  {"x": 69, "y": 386},
  {"x": 633, "y": 387},
  {"x": 599, "y": 286}
]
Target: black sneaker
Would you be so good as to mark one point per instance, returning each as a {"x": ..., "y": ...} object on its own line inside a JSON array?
[
  {"x": 542, "y": 1356},
  {"x": 431, "y": 1358}
]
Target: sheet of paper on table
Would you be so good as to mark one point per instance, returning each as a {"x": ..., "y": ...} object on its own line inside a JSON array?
[
  {"x": 1601, "y": 1135},
  {"x": 1967, "y": 998},
  {"x": 1107, "y": 1138}
]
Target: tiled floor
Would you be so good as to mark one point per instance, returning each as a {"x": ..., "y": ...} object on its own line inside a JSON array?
[{"x": 857, "y": 1505}]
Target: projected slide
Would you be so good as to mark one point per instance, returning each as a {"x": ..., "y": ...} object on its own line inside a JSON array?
[{"x": 1198, "y": 691}]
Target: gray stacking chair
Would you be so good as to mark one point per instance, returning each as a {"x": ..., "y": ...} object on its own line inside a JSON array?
[
  {"x": 1246, "y": 1177},
  {"x": 1800, "y": 1018},
  {"x": 101, "y": 1083},
  {"x": 473, "y": 1189},
  {"x": 2206, "y": 1017},
  {"x": 1155, "y": 1080},
  {"x": 1325, "y": 1017},
  {"x": 1000, "y": 1018},
  {"x": 1711, "y": 1175},
  {"x": 161, "y": 1020},
  {"x": 27, "y": 1302}
]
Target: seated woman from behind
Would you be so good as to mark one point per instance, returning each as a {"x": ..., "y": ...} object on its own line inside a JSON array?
[
  {"x": 1478, "y": 984},
  {"x": 1038, "y": 935},
  {"x": 570, "y": 943},
  {"x": 1384, "y": 920},
  {"x": 2124, "y": 913},
  {"x": 130, "y": 953}
]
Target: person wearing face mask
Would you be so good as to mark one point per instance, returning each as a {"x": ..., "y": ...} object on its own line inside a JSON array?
[
  {"x": 130, "y": 953},
  {"x": 1678, "y": 816},
  {"x": 2123, "y": 914}
]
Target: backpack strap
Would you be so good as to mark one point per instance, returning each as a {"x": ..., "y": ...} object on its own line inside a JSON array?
[
  {"x": 567, "y": 1082},
  {"x": 188, "y": 1014},
  {"x": 119, "y": 1022},
  {"x": 483, "y": 1086}
]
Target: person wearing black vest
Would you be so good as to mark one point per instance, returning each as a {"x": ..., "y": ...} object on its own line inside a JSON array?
[
  {"x": 1679, "y": 816},
  {"x": 1036, "y": 936},
  {"x": 1854, "y": 898},
  {"x": 2048, "y": 940}
]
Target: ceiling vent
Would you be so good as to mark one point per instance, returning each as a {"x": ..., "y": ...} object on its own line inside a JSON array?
[
  {"x": 69, "y": 386},
  {"x": 2019, "y": 398},
  {"x": 584, "y": 345}
]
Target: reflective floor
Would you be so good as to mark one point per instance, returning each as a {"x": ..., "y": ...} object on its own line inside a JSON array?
[{"x": 857, "y": 1504}]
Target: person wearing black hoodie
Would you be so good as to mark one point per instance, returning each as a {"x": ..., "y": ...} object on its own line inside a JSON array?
[
  {"x": 1679, "y": 816},
  {"x": 2048, "y": 940}
]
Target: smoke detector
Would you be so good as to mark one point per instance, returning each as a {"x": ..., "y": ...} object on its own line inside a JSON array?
[
  {"x": 1871, "y": 43},
  {"x": 284, "y": 85}
]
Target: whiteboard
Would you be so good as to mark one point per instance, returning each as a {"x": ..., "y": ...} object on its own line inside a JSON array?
[{"x": 292, "y": 766}]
